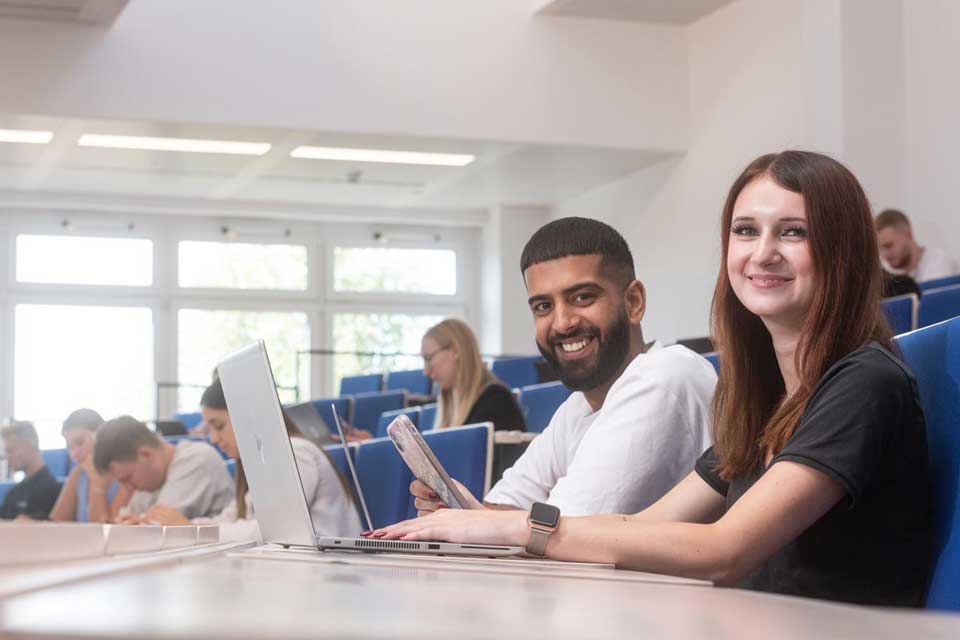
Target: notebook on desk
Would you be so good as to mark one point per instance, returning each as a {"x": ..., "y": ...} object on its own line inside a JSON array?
[{"x": 271, "y": 470}]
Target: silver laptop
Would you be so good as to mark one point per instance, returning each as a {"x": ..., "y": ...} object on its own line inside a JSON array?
[{"x": 271, "y": 470}]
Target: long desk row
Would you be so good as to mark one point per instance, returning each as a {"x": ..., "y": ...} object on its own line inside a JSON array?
[{"x": 269, "y": 593}]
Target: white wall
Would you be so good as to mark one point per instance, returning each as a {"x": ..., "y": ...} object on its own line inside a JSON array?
[
  {"x": 753, "y": 89},
  {"x": 932, "y": 49},
  {"x": 507, "y": 325},
  {"x": 484, "y": 69}
]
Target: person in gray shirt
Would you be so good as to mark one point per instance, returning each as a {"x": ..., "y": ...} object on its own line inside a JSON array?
[{"x": 190, "y": 476}]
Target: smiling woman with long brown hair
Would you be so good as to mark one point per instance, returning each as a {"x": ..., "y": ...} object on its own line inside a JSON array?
[{"x": 817, "y": 484}]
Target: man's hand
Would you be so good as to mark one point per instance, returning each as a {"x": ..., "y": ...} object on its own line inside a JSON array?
[{"x": 426, "y": 501}]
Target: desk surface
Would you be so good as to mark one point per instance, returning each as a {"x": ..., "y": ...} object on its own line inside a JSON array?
[{"x": 344, "y": 595}]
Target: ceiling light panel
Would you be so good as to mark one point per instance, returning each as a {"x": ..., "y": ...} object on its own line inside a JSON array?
[
  {"x": 187, "y": 145},
  {"x": 382, "y": 155},
  {"x": 25, "y": 136}
]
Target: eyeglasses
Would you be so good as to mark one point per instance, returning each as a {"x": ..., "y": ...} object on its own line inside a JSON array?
[{"x": 428, "y": 357}]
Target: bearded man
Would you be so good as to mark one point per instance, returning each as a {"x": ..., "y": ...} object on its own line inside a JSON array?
[{"x": 640, "y": 414}]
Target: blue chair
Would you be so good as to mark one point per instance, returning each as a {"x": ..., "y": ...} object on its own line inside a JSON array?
[
  {"x": 428, "y": 414},
  {"x": 466, "y": 453},
  {"x": 344, "y": 407},
  {"x": 339, "y": 460},
  {"x": 901, "y": 312},
  {"x": 189, "y": 420},
  {"x": 361, "y": 384},
  {"x": 517, "y": 372},
  {"x": 232, "y": 468},
  {"x": 389, "y": 416},
  {"x": 949, "y": 281},
  {"x": 57, "y": 461},
  {"x": 933, "y": 354},
  {"x": 386, "y": 480},
  {"x": 938, "y": 305},
  {"x": 367, "y": 407},
  {"x": 5, "y": 488},
  {"x": 540, "y": 401},
  {"x": 413, "y": 381},
  {"x": 714, "y": 359}
]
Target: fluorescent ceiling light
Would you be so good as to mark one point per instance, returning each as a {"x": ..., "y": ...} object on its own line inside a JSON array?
[
  {"x": 382, "y": 155},
  {"x": 25, "y": 136},
  {"x": 173, "y": 144}
]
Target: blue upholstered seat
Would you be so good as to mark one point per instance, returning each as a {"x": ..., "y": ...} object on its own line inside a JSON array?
[
  {"x": 540, "y": 401},
  {"x": 933, "y": 354}
]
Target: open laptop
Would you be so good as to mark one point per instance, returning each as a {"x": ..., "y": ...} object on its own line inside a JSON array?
[
  {"x": 310, "y": 422},
  {"x": 271, "y": 469}
]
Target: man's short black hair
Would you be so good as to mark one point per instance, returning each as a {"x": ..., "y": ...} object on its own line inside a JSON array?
[{"x": 581, "y": 237}]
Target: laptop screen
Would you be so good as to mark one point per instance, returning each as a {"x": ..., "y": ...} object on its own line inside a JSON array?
[{"x": 353, "y": 470}]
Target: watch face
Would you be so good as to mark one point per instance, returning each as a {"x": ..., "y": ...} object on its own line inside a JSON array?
[{"x": 545, "y": 514}]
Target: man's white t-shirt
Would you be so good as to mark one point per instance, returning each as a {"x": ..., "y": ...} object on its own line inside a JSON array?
[
  {"x": 197, "y": 484},
  {"x": 652, "y": 427},
  {"x": 934, "y": 263}
]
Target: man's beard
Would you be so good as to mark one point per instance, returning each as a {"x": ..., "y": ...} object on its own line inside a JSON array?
[{"x": 612, "y": 349}]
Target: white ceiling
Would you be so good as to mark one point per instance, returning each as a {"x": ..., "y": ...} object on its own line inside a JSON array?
[
  {"x": 503, "y": 174},
  {"x": 677, "y": 12}
]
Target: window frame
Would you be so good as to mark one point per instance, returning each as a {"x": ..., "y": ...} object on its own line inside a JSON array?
[{"x": 319, "y": 302}]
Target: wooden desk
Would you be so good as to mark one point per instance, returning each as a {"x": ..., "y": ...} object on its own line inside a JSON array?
[{"x": 302, "y": 594}]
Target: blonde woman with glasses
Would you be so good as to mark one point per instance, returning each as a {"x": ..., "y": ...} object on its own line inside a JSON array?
[{"x": 469, "y": 393}]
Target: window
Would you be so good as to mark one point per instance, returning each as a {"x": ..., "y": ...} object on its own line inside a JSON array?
[
  {"x": 84, "y": 260},
  {"x": 381, "y": 333},
  {"x": 205, "y": 337},
  {"x": 67, "y": 357},
  {"x": 231, "y": 265},
  {"x": 430, "y": 271}
]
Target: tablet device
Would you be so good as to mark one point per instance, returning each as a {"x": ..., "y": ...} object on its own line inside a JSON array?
[{"x": 423, "y": 463}]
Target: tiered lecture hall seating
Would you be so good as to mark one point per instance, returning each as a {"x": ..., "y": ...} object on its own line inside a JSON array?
[
  {"x": 517, "y": 372},
  {"x": 412, "y": 381},
  {"x": 939, "y": 304},
  {"x": 540, "y": 401},
  {"x": 367, "y": 383},
  {"x": 938, "y": 283},
  {"x": 933, "y": 354},
  {"x": 901, "y": 312}
]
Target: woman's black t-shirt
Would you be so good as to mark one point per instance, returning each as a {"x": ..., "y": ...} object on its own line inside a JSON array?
[
  {"x": 863, "y": 426},
  {"x": 496, "y": 404}
]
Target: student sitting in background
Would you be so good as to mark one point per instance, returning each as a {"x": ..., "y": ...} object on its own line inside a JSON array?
[
  {"x": 818, "y": 483},
  {"x": 639, "y": 417},
  {"x": 191, "y": 476},
  {"x": 86, "y": 496},
  {"x": 331, "y": 504},
  {"x": 903, "y": 255},
  {"x": 469, "y": 393},
  {"x": 35, "y": 495}
]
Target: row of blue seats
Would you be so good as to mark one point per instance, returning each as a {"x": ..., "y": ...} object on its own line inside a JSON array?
[
  {"x": 465, "y": 452},
  {"x": 938, "y": 283},
  {"x": 538, "y": 402},
  {"x": 515, "y": 372},
  {"x": 361, "y": 409},
  {"x": 412, "y": 381},
  {"x": 907, "y": 312}
]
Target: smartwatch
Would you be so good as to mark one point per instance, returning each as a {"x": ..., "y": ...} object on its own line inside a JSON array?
[{"x": 543, "y": 521}]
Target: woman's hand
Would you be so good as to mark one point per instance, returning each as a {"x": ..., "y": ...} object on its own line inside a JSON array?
[
  {"x": 481, "y": 526},
  {"x": 162, "y": 514},
  {"x": 426, "y": 501},
  {"x": 354, "y": 435}
]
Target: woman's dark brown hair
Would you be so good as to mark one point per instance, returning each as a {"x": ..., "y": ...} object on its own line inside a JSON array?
[{"x": 752, "y": 418}]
